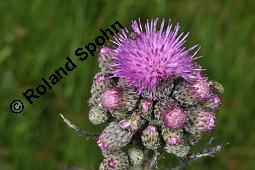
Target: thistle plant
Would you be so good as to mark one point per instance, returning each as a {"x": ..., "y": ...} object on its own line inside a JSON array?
[{"x": 154, "y": 98}]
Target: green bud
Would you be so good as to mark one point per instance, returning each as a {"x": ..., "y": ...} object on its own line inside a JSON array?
[
  {"x": 150, "y": 137},
  {"x": 136, "y": 156},
  {"x": 97, "y": 116}
]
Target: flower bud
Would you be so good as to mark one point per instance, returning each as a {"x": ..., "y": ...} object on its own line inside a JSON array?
[
  {"x": 114, "y": 137},
  {"x": 173, "y": 117},
  {"x": 191, "y": 93},
  {"x": 100, "y": 83},
  {"x": 97, "y": 116},
  {"x": 213, "y": 102},
  {"x": 115, "y": 161},
  {"x": 118, "y": 101},
  {"x": 172, "y": 137},
  {"x": 146, "y": 108},
  {"x": 105, "y": 59},
  {"x": 150, "y": 137},
  {"x": 136, "y": 156},
  {"x": 201, "y": 121},
  {"x": 112, "y": 99},
  {"x": 200, "y": 89}
]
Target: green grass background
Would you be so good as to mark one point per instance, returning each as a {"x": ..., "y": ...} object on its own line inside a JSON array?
[{"x": 37, "y": 35}]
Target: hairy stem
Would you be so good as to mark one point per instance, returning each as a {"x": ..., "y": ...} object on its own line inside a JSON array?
[
  {"x": 207, "y": 151},
  {"x": 79, "y": 131}
]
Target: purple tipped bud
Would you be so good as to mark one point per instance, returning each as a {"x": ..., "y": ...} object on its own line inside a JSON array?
[
  {"x": 174, "y": 117},
  {"x": 174, "y": 142},
  {"x": 105, "y": 59},
  {"x": 112, "y": 98},
  {"x": 208, "y": 121},
  {"x": 201, "y": 121},
  {"x": 150, "y": 137},
  {"x": 118, "y": 100},
  {"x": 146, "y": 107},
  {"x": 191, "y": 93},
  {"x": 200, "y": 90},
  {"x": 172, "y": 137},
  {"x": 115, "y": 161},
  {"x": 114, "y": 137},
  {"x": 101, "y": 82},
  {"x": 213, "y": 102}
]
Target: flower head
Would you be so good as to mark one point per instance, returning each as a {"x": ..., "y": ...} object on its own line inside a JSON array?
[
  {"x": 151, "y": 92},
  {"x": 153, "y": 55}
]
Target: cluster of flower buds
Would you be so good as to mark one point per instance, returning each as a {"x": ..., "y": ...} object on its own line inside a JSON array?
[{"x": 153, "y": 95}]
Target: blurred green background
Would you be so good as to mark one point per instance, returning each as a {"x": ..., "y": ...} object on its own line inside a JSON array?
[{"x": 37, "y": 35}]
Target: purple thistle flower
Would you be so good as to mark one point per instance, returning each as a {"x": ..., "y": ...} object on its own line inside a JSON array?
[
  {"x": 152, "y": 92},
  {"x": 153, "y": 55}
]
